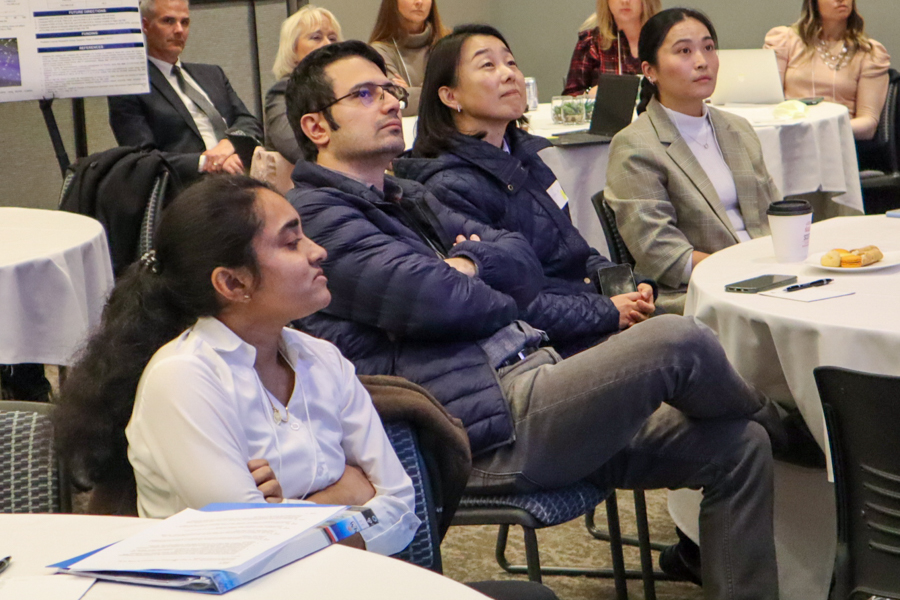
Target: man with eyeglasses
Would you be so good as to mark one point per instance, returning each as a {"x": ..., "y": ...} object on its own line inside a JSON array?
[{"x": 656, "y": 406}]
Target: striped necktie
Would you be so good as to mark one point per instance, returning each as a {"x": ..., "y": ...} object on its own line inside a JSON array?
[{"x": 215, "y": 118}]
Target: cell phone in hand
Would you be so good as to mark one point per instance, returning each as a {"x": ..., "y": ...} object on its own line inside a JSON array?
[{"x": 615, "y": 280}]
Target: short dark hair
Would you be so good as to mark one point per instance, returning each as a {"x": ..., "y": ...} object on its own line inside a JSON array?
[
  {"x": 654, "y": 33},
  {"x": 435, "y": 128},
  {"x": 309, "y": 88}
]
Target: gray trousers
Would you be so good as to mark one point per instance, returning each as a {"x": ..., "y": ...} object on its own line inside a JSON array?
[{"x": 656, "y": 406}]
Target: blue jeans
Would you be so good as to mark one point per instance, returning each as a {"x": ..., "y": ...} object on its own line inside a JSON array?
[{"x": 656, "y": 406}]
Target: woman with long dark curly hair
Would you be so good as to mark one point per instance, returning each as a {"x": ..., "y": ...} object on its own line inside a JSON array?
[
  {"x": 827, "y": 53},
  {"x": 194, "y": 384},
  {"x": 404, "y": 33}
]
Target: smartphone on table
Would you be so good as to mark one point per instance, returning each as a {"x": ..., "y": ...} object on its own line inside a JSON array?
[{"x": 760, "y": 284}]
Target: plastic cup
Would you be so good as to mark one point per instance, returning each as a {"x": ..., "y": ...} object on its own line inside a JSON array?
[
  {"x": 790, "y": 222},
  {"x": 567, "y": 110}
]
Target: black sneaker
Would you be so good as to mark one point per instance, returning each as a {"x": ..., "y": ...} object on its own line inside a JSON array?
[
  {"x": 681, "y": 561},
  {"x": 801, "y": 449}
]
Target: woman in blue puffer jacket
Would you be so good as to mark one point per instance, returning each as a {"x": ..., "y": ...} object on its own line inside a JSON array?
[{"x": 471, "y": 154}]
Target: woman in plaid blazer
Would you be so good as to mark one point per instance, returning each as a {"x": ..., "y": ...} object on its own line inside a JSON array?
[
  {"x": 607, "y": 42},
  {"x": 685, "y": 179}
]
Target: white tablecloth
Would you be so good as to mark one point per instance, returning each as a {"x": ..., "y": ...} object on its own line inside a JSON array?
[
  {"x": 55, "y": 274},
  {"x": 809, "y": 153},
  {"x": 804, "y": 156},
  {"x": 775, "y": 344},
  {"x": 335, "y": 573}
]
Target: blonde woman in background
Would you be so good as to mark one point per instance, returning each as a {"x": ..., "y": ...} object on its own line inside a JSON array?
[
  {"x": 827, "y": 53},
  {"x": 608, "y": 43},
  {"x": 309, "y": 28},
  {"x": 404, "y": 33}
]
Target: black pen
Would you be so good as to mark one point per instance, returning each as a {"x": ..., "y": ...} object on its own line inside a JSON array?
[
  {"x": 4, "y": 562},
  {"x": 811, "y": 284}
]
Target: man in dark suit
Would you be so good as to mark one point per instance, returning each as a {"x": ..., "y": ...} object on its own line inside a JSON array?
[{"x": 190, "y": 107}]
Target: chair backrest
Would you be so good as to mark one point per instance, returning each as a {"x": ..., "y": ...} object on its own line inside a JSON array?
[
  {"x": 152, "y": 213},
  {"x": 272, "y": 168},
  {"x": 881, "y": 153},
  {"x": 618, "y": 251},
  {"x": 862, "y": 412},
  {"x": 32, "y": 478},
  {"x": 424, "y": 550},
  {"x": 115, "y": 186}
]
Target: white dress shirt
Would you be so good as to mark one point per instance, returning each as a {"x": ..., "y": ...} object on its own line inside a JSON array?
[
  {"x": 201, "y": 413},
  {"x": 204, "y": 126},
  {"x": 700, "y": 136}
]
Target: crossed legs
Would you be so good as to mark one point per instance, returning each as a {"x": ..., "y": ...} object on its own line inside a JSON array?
[{"x": 657, "y": 406}]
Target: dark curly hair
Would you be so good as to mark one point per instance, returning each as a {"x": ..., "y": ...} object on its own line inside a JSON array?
[{"x": 211, "y": 224}]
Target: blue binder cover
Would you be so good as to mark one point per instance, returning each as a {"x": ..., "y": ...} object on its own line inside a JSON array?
[{"x": 346, "y": 523}]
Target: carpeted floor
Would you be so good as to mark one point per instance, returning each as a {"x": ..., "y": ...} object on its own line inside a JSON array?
[{"x": 468, "y": 553}]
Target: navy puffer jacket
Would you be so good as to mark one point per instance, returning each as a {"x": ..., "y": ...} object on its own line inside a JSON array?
[
  {"x": 509, "y": 191},
  {"x": 398, "y": 309}
]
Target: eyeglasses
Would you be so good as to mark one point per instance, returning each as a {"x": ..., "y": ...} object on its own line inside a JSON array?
[{"x": 368, "y": 93}]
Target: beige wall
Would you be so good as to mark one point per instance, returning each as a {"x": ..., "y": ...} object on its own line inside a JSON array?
[{"x": 542, "y": 33}]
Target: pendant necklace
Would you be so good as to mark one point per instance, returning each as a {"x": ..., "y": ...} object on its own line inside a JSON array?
[
  {"x": 279, "y": 418},
  {"x": 698, "y": 142},
  {"x": 276, "y": 412},
  {"x": 835, "y": 62}
]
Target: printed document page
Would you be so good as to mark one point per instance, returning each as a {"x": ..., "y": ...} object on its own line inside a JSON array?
[
  {"x": 217, "y": 541},
  {"x": 71, "y": 49}
]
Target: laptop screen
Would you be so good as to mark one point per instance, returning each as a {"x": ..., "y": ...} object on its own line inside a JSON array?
[{"x": 614, "y": 107}]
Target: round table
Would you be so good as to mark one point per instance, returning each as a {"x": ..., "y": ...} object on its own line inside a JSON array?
[
  {"x": 35, "y": 541},
  {"x": 55, "y": 275},
  {"x": 816, "y": 152},
  {"x": 803, "y": 156},
  {"x": 776, "y": 343}
]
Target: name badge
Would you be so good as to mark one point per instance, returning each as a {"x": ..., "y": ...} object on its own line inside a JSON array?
[{"x": 559, "y": 196}]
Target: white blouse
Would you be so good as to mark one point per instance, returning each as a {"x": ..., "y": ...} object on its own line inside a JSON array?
[
  {"x": 201, "y": 413},
  {"x": 700, "y": 136}
]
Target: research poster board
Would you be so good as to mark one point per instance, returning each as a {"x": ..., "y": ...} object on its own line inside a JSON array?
[{"x": 71, "y": 49}]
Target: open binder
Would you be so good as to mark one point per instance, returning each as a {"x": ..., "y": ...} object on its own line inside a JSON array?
[{"x": 222, "y": 546}]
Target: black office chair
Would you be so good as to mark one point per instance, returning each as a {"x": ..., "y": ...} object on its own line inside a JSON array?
[
  {"x": 618, "y": 251},
  {"x": 424, "y": 550},
  {"x": 862, "y": 413},
  {"x": 879, "y": 158},
  {"x": 34, "y": 480},
  {"x": 544, "y": 509},
  {"x": 436, "y": 457},
  {"x": 125, "y": 189}
]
